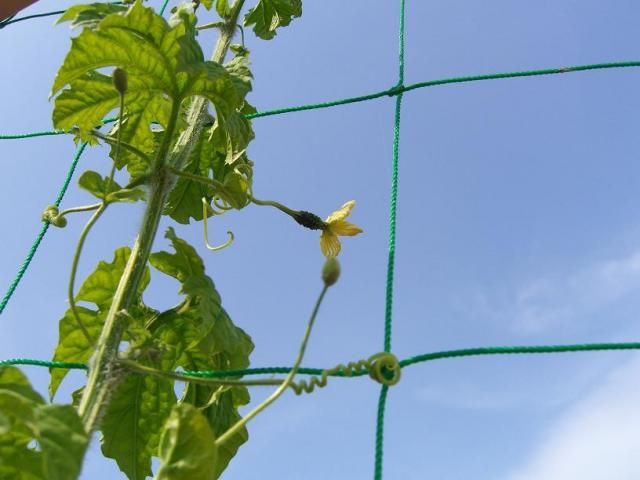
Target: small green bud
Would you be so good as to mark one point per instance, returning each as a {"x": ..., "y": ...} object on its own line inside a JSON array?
[
  {"x": 330, "y": 271},
  {"x": 120, "y": 80}
]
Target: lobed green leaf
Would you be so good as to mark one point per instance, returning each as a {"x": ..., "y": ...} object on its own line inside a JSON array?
[
  {"x": 164, "y": 64},
  {"x": 201, "y": 336}
]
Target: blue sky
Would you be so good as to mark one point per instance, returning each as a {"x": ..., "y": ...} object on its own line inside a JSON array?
[{"x": 517, "y": 224}]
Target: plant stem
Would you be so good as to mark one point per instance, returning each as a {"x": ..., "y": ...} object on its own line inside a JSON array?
[
  {"x": 74, "y": 268},
  {"x": 271, "y": 203},
  {"x": 100, "y": 381},
  {"x": 83, "y": 208},
  {"x": 284, "y": 385},
  {"x": 98, "y": 384}
]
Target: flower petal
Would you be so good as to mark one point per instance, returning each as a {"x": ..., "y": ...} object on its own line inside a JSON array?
[
  {"x": 342, "y": 213},
  {"x": 342, "y": 227},
  {"x": 329, "y": 244}
]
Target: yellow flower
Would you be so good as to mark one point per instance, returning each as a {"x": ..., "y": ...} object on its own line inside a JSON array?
[{"x": 335, "y": 225}]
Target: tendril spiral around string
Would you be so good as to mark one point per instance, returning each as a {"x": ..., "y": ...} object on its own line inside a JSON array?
[{"x": 382, "y": 367}]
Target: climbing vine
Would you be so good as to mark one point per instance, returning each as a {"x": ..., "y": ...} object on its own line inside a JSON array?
[{"x": 181, "y": 134}]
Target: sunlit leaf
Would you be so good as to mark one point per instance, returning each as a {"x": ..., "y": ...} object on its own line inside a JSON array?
[{"x": 164, "y": 64}]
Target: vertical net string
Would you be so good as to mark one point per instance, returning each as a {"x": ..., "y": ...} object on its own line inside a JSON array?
[{"x": 393, "y": 202}]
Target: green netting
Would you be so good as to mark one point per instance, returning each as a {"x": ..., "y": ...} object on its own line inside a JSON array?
[{"x": 396, "y": 91}]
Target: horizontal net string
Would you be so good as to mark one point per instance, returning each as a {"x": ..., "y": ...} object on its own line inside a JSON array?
[
  {"x": 427, "y": 357},
  {"x": 397, "y": 90}
]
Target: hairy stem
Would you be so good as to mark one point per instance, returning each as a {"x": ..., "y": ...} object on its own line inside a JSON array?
[{"x": 100, "y": 383}]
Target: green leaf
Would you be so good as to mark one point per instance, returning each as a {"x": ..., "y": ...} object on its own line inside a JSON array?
[
  {"x": 62, "y": 441},
  {"x": 268, "y": 15},
  {"x": 142, "y": 112},
  {"x": 208, "y": 159},
  {"x": 100, "y": 286},
  {"x": 238, "y": 187},
  {"x": 57, "y": 429},
  {"x": 185, "y": 199},
  {"x": 187, "y": 447},
  {"x": 17, "y": 397},
  {"x": 204, "y": 311},
  {"x": 234, "y": 127},
  {"x": 73, "y": 345},
  {"x": 133, "y": 422},
  {"x": 17, "y": 460},
  {"x": 98, "y": 186},
  {"x": 164, "y": 64},
  {"x": 201, "y": 336},
  {"x": 222, "y": 7},
  {"x": 89, "y": 15},
  {"x": 99, "y": 289},
  {"x": 220, "y": 406}
]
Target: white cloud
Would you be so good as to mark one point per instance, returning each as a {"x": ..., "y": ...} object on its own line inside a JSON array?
[
  {"x": 551, "y": 301},
  {"x": 597, "y": 439},
  {"x": 559, "y": 300}
]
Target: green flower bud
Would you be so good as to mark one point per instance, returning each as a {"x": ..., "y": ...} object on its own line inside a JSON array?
[
  {"x": 120, "y": 80},
  {"x": 330, "y": 271}
]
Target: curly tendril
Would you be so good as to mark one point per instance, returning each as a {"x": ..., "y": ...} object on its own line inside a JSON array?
[
  {"x": 382, "y": 367},
  {"x": 206, "y": 209},
  {"x": 51, "y": 215}
]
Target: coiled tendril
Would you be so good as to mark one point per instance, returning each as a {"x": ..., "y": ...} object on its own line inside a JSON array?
[
  {"x": 382, "y": 367},
  {"x": 52, "y": 215}
]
